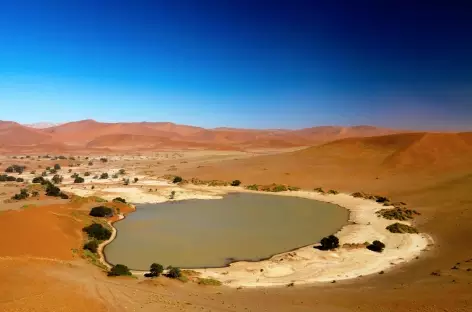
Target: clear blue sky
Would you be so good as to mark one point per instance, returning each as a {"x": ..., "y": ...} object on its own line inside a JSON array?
[{"x": 240, "y": 63}]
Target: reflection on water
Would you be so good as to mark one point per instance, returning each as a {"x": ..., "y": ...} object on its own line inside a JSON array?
[{"x": 211, "y": 233}]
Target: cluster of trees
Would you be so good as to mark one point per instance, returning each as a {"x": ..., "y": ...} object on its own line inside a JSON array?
[
  {"x": 7, "y": 178},
  {"x": 119, "y": 270},
  {"x": 157, "y": 269},
  {"x": 236, "y": 183},
  {"x": 15, "y": 168}
]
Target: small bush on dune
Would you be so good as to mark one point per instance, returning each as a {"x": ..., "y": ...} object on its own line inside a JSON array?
[
  {"x": 97, "y": 231},
  {"x": 101, "y": 211},
  {"x": 57, "y": 167},
  {"x": 104, "y": 176},
  {"x": 253, "y": 187},
  {"x": 22, "y": 195},
  {"x": 397, "y": 213},
  {"x": 20, "y": 180},
  {"x": 376, "y": 246},
  {"x": 329, "y": 242},
  {"x": 79, "y": 180},
  {"x": 135, "y": 180},
  {"x": 319, "y": 190},
  {"x": 401, "y": 228},
  {"x": 174, "y": 272},
  {"x": 119, "y": 270},
  {"x": 236, "y": 183},
  {"x": 92, "y": 246},
  {"x": 293, "y": 188},
  {"x": 119, "y": 199},
  {"x": 57, "y": 179},
  {"x": 209, "y": 282},
  {"x": 52, "y": 190},
  {"x": 87, "y": 174},
  {"x": 333, "y": 192},
  {"x": 155, "y": 270},
  {"x": 177, "y": 179}
]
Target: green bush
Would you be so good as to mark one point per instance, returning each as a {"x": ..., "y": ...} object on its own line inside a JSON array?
[
  {"x": 376, "y": 246},
  {"x": 97, "y": 231},
  {"x": 52, "y": 190},
  {"x": 39, "y": 180},
  {"x": 401, "y": 228},
  {"x": 122, "y": 171},
  {"x": 91, "y": 245},
  {"x": 177, "y": 179},
  {"x": 155, "y": 270},
  {"x": 87, "y": 174},
  {"x": 104, "y": 160},
  {"x": 104, "y": 176},
  {"x": 79, "y": 180},
  {"x": 328, "y": 243},
  {"x": 174, "y": 272},
  {"x": 119, "y": 270},
  {"x": 15, "y": 168},
  {"x": 20, "y": 180},
  {"x": 57, "y": 179},
  {"x": 397, "y": 213},
  {"x": 236, "y": 183},
  {"x": 101, "y": 211},
  {"x": 119, "y": 199},
  {"x": 22, "y": 195}
]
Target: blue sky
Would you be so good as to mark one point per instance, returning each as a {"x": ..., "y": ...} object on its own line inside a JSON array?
[{"x": 241, "y": 63}]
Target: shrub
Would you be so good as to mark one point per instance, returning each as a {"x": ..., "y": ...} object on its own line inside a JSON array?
[
  {"x": 177, "y": 179},
  {"x": 48, "y": 168},
  {"x": 57, "y": 179},
  {"x": 397, "y": 213},
  {"x": 319, "y": 190},
  {"x": 20, "y": 180},
  {"x": 126, "y": 181},
  {"x": 333, "y": 192},
  {"x": 104, "y": 160},
  {"x": 328, "y": 243},
  {"x": 114, "y": 176},
  {"x": 293, "y": 188},
  {"x": 119, "y": 199},
  {"x": 119, "y": 270},
  {"x": 87, "y": 174},
  {"x": 22, "y": 195},
  {"x": 174, "y": 272},
  {"x": 79, "y": 180},
  {"x": 381, "y": 199},
  {"x": 44, "y": 173},
  {"x": 122, "y": 171},
  {"x": 57, "y": 167},
  {"x": 35, "y": 193},
  {"x": 90, "y": 163},
  {"x": 52, "y": 190},
  {"x": 156, "y": 269},
  {"x": 253, "y": 187},
  {"x": 69, "y": 171},
  {"x": 33, "y": 172},
  {"x": 39, "y": 180},
  {"x": 401, "y": 228},
  {"x": 91, "y": 245},
  {"x": 236, "y": 183},
  {"x": 209, "y": 281},
  {"x": 136, "y": 180},
  {"x": 172, "y": 195},
  {"x": 101, "y": 211},
  {"x": 104, "y": 176},
  {"x": 53, "y": 171},
  {"x": 97, "y": 231},
  {"x": 15, "y": 168},
  {"x": 376, "y": 246},
  {"x": 75, "y": 175}
]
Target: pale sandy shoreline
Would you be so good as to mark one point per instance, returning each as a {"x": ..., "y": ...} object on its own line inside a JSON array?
[{"x": 304, "y": 265}]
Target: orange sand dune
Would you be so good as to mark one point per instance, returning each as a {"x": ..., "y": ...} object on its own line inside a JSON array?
[{"x": 12, "y": 133}]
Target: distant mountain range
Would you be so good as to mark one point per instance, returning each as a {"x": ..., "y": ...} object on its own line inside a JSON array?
[{"x": 90, "y": 134}]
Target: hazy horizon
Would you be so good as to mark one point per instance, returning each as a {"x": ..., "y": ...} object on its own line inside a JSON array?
[{"x": 241, "y": 64}]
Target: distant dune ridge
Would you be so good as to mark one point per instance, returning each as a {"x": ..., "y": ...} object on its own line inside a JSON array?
[{"x": 149, "y": 135}]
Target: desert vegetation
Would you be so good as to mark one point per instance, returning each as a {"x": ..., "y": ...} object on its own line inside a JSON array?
[
  {"x": 397, "y": 213},
  {"x": 208, "y": 281},
  {"x": 119, "y": 270},
  {"x": 401, "y": 228},
  {"x": 236, "y": 183},
  {"x": 155, "y": 270},
  {"x": 376, "y": 246},
  {"x": 119, "y": 199},
  {"x": 329, "y": 243},
  {"x": 101, "y": 212},
  {"x": 15, "y": 168},
  {"x": 97, "y": 231},
  {"x": 177, "y": 179},
  {"x": 22, "y": 195},
  {"x": 7, "y": 178}
]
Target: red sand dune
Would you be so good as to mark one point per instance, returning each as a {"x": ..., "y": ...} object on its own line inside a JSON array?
[{"x": 93, "y": 134}]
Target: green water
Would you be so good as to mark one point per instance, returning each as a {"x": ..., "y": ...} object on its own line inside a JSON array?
[{"x": 212, "y": 233}]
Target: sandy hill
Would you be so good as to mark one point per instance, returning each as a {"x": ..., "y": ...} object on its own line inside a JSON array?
[
  {"x": 90, "y": 133},
  {"x": 364, "y": 159},
  {"x": 12, "y": 133}
]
